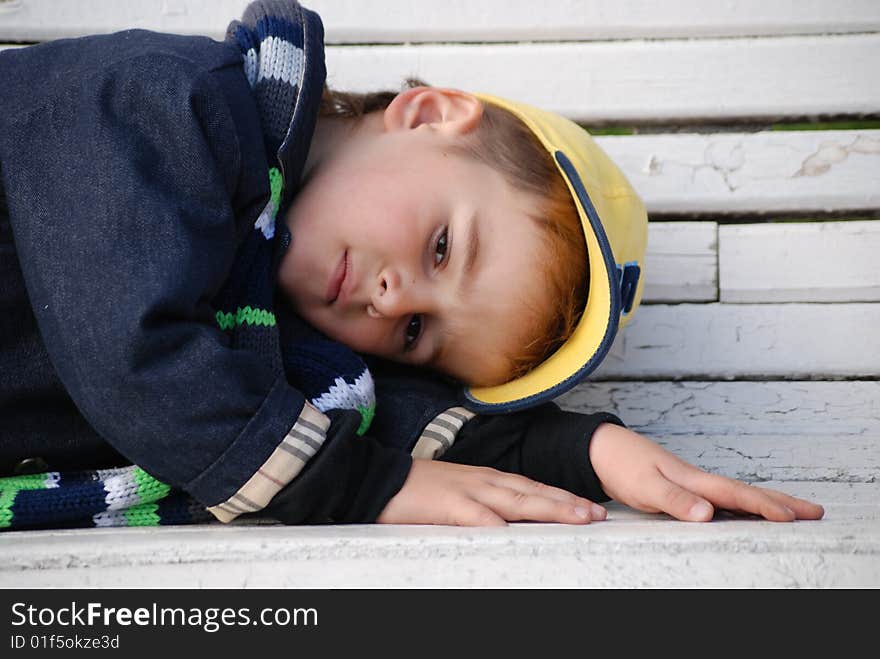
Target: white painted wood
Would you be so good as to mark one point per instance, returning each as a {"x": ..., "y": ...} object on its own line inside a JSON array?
[
  {"x": 800, "y": 262},
  {"x": 379, "y": 21},
  {"x": 630, "y": 549},
  {"x": 753, "y": 431},
  {"x": 758, "y": 459},
  {"x": 640, "y": 81},
  {"x": 681, "y": 262},
  {"x": 636, "y": 81},
  {"x": 765, "y": 172},
  {"x": 862, "y": 495},
  {"x": 756, "y": 341},
  {"x": 791, "y": 411}
]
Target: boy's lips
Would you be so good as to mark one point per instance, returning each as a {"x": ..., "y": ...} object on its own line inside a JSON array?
[{"x": 336, "y": 279}]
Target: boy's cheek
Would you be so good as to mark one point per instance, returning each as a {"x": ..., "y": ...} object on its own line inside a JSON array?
[{"x": 360, "y": 335}]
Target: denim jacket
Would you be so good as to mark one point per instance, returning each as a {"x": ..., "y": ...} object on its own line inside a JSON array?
[{"x": 131, "y": 166}]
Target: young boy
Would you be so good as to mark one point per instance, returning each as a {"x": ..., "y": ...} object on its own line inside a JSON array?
[{"x": 173, "y": 208}]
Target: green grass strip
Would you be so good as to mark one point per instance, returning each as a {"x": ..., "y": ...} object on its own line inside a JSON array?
[
  {"x": 611, "y": 130},
  {"x": 828, "y": 125}
]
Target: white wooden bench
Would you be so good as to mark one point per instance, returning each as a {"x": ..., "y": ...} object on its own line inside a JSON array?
[{"x": 756, "y": 353}]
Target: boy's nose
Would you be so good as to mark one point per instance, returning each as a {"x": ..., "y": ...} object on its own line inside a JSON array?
[{"x": 395, "y": 294}]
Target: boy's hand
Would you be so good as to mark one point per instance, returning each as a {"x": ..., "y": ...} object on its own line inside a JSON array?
[
  {"x": 461, "y": 495},
  {"x": 641, "y": 474}
]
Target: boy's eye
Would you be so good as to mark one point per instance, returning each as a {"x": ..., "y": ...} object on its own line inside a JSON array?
[
  {"x": 440, "y": 248},
  {"x": 412, "y": 332}
]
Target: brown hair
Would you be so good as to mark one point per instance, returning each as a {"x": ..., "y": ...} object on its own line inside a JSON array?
[{"x": 507, "y": 145}]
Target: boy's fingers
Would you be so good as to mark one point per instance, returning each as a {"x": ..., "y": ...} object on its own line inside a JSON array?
[
  {"x": 515, "y": 505},
  {"x": 472, "y": 513},
  {"x": 536, "y": 488},
  {"x": 675, "y": 500},
  {"x": 735, "y": 495},
  {"x": 801, "y": 508}
]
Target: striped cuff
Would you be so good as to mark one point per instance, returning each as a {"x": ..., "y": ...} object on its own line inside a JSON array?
[
  {"x": 282, "y": 466},
  {"x": 439, "y": 435}
]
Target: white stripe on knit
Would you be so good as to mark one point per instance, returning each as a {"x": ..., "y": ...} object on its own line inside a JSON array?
[
  {"x": 250, "y": 66},
  {"x": 120, "y": 486},
  {"x": 343, "y": 395},
  {"x": 53, "y": 480},
  {"x": 266, "y": 221},
  {"x": 110, "y": 518},
  {"x": 280, "y": 59}
]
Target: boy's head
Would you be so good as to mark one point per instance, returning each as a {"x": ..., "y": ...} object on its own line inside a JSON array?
[{"x": 438, "y": 230}]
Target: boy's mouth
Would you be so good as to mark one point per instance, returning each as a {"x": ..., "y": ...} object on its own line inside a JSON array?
[{"x": 337, "y": 279}]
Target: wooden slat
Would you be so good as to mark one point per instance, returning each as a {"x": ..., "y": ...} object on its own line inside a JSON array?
[
  {"x": 861, "y": 495},
  {"x": 681, "y": 262},
  {"x": 766, "y": 458},
  {"x": 753, "y": 431},
  {"x": 637, "y": 81},
  {"x": 640, "y": 81},
  {"x": 778, "y": 262},
  {"x": 800, "y": 262},
  {"x": 747, "y": 341},
  {"x": 630, "y": 550},
  {"x": 723, "y": 173},
  {"x": 384, "y": 21},
  {"x": 790, "y": 411}
]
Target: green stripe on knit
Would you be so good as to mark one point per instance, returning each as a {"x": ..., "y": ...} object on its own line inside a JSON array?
[
  {"x": 144, "y": 514},
  {"x": 367, "y": 414},
  {"x": 7, "y": 498},
  {"x": 228, "y": 320},
  {"x": 148, "y": 488},
  {"x": 9, "y": 489},
  {"x": 29, "y": 482},
  {"x": 276, "y": 185}
]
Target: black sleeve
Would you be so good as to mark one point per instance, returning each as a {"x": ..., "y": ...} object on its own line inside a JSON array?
[
  {"x": 349, "y": 480},
  {"x": 545, "y": 443}
]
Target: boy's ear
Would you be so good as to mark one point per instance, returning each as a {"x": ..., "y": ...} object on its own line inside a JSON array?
[{"x": 448, "y": 111}]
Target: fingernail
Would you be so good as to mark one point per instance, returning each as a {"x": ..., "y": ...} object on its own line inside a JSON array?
[
  {"x": 582, "y": 512},
  {"x": 700, "y": 511},
  {"x": 598, "y": 511}
]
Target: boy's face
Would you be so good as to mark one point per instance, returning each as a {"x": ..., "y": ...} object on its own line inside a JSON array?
[{"x": 405, "y": 250}]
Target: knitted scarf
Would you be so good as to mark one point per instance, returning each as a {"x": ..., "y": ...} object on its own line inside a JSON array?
[{"x": 270, "y": 36}]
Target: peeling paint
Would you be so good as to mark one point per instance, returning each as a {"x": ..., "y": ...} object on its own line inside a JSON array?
[
  {"x": 832, "y": 153},
  {"x": 653, "y": 167}
]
